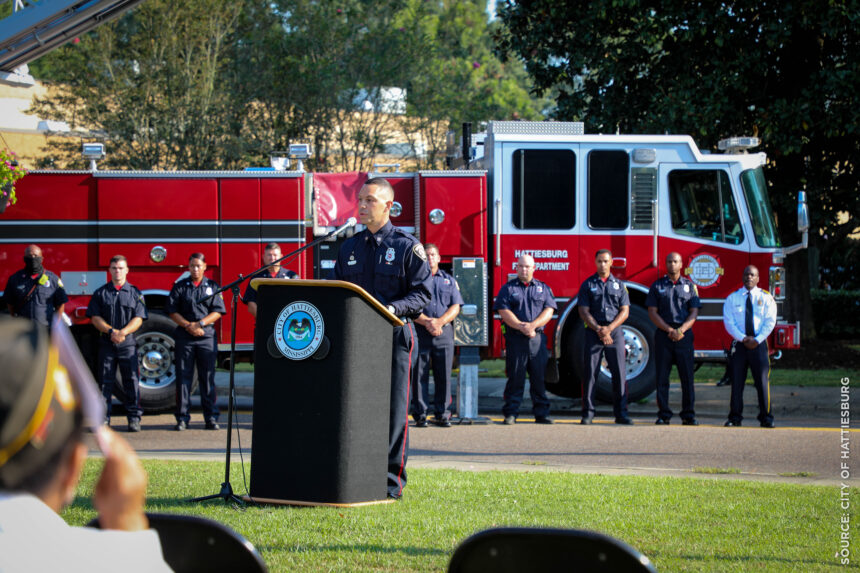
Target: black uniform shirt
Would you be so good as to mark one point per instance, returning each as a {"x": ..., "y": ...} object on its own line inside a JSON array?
[
  {"x": 390, "y": 265},
  {"x": 47, "y": 295},
  {"x": 193, "y": 302},
  {"x": 603, "y": 299},
  {"x": 251, "y": 293},
  {"x": 673, "y": 300},
  {"x": 525, "y": 301},
  {"x": 118, "y": 307}
]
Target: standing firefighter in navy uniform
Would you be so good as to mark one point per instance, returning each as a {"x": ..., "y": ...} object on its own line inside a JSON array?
[
  {"x": 391, "y": 265},
  {"x": 271, "y": 253},
  {"x": 33, "y": 292},
  {"x": 749, "y": 315},
  {"x": 193, "y": 308},
  {"x": 604, "y": 305},
  {"x": 117, "y": 310},
  {"x": 673, "y": 306},
  {"x": 525, "y": 305},
  {"x": 436, "y": 345}
]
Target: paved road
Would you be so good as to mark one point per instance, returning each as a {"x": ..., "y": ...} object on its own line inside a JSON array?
[{"x": 807, "y": 441}]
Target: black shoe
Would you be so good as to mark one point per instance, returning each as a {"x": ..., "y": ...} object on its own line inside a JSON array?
[
  {"x": 421, "y": 422},
  {"x": 690, "y": 422},
  {"x": 212, "y": 426},
  {"x": 543, "y": 420},
  {"x": 181, "y": 425},
  {"x": 442, "y": 422},
  {"x": 395, "y": 496},
  {"x": 625, "y": 421},
  {"x": 768, "y": 424},
  {"x": 724, "y": 382},
  {"x": 586, "y": 421},
  {"x": 663, "y": 422},
  {"x": 510, "y": 420},
  {"x": 731, "y": 424}
]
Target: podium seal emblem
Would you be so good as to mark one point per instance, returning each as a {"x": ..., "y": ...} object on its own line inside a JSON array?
[{"x": 299, "y": 330}]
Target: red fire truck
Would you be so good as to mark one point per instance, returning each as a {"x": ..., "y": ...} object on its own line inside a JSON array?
[{"x": 546, "y": 189}]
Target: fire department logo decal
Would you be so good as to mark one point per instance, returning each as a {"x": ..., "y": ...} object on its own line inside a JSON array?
[
  {"x": 704, "y": 270},
  {"x": 299, "y": 330}
]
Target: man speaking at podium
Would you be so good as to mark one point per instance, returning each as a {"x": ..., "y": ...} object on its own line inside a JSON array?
[{"x": 391, "y": 265}]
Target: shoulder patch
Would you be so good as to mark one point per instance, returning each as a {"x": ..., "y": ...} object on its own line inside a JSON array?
[
  {"x": 418, "y": 249},
  {"x": 60, "y": 282},
  {"x": 695, "y": 290}
]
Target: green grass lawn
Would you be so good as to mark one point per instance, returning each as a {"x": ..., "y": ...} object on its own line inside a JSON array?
[{"x": 681, "y": 524}]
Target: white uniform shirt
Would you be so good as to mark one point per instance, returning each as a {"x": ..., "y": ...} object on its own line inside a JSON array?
[
  {"x": 34, "y": 538},
  {"x": 764, "y": 313}
]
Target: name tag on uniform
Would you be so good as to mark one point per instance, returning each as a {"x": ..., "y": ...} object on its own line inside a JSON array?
[{"x": 351, "y": 262}]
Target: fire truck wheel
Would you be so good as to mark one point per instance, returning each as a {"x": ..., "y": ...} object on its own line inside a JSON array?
[
  {"x": 641, "y": 372},
  {"x": 157, "y": 365}
]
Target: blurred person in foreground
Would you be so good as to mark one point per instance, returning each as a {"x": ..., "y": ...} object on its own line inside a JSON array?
[{"x": 42, "y": 453}]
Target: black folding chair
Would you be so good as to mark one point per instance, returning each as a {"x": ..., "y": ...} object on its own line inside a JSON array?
[
  {"x": 515, "y": 549},
  {"x": 191, "y": 543}
]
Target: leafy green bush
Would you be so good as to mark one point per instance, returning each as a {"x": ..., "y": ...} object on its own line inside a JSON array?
[{"x": 837, "y": 313}]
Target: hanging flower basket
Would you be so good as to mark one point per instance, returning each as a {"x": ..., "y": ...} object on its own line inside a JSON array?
[{"x": 10, "y": 173}]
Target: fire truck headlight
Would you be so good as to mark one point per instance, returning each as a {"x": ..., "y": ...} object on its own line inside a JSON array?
[{"x": 437, "y": 216}]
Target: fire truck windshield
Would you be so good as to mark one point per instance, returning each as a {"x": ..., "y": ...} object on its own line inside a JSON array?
[{"x": 761, "y": 213}]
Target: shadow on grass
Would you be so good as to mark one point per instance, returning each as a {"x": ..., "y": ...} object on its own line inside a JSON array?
[{"x": 409, "y": 550}]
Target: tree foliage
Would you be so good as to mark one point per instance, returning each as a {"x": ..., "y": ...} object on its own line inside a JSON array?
[
  {"x": 204, "y": 84},
  {"x": 152, "y": 84},
  {"x": 785, "y": 71}
]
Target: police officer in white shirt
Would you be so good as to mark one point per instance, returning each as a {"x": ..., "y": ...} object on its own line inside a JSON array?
[{"x": 749, "y": 315}]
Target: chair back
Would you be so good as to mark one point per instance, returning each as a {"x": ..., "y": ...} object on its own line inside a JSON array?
[{"x": 504, "y": 550}]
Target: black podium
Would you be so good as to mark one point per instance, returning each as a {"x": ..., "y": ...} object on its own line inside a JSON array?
[{"x": 322, "y": 387}]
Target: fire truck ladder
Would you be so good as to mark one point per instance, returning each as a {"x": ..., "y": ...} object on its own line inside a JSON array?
[{"x": 36, "y": 27}]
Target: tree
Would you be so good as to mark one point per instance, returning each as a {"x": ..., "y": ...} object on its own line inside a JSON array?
[
  {"x": 785, "y": 71},
  {"x": 462, "y": 79},
  {"x": 152, "y": 85}
]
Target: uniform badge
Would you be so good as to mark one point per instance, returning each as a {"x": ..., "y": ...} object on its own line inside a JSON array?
[
  {"x": 686, "y": 288},
  {"x": 615, "y": 286},
  {"x": 209, "y": 291},
  {"x": 447, "y": 281},
  {"x": 44, "y": 281},
  {"x": 539, "y": 289},
  {"x": 389, "y": 254},
  {"x": 351, "y": 260},
  {"x": 419, "y": 251}
]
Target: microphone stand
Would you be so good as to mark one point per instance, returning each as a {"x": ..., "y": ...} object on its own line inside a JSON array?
[{"x": 226, "y": 492}]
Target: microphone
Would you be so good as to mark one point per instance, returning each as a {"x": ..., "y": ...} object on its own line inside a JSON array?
[{"x": 349, "y": 223}]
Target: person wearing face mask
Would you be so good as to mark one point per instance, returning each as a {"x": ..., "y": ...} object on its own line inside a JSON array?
[
  {"x": 33, "y": 292},
  {"x": 193, "y": 308}
]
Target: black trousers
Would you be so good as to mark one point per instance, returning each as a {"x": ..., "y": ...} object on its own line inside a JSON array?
[
  {"x": 524, "y": 354},
  {"x": 398, "y": 421},
  {"x": 615, "y": 355},
  {"x": 436, "y": 352},
  {"x": 123, "y": 357},
  {"x": 755, "y": 360},
  {"x": 680, "y": 353},
  {"x": 190, "y": 352}
]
